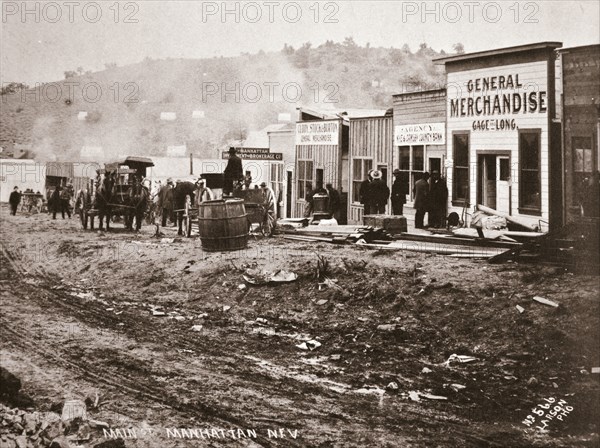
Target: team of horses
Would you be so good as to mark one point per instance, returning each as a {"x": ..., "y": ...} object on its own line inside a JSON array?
[{"x": 109, "y": 199}]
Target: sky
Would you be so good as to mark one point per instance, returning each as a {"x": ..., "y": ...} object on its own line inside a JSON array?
[{"x": 41, "y": 40}]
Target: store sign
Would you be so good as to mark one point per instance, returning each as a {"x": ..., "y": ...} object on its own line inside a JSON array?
[
  {"x": 255, "y": 154},
  {"x": 420, "y": 134},
  {"x": 496, "y": 102},
  {"x": 318, "y": 133}
]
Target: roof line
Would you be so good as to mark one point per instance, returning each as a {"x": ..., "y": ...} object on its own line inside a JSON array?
[{"x": 498, "y": 51}]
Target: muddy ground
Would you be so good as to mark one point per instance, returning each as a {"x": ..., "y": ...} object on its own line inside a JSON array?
[{"x": 77, "y": 322}]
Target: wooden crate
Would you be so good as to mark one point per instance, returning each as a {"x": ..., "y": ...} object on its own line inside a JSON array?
[{"x": 392, "y": 223}]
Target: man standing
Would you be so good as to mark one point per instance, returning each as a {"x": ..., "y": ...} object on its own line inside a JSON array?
[
  {"x": 65, "y": 199},
  {"x": 334, "y": 202},
  {"x": 269, "y": 204},
  {"x": 203, "y": 193},
  {"x": 233, "y": 172},
  {"x": 365, "y": 194},
  {"x": 165, "y": 201},
  {"x": 398, "y": 193},
  {"x": 438, "y": 200},
  {"x": 379, "y": 192},
  {"x": 14, "y": 200},
  {"x": 421, "y": 204}
]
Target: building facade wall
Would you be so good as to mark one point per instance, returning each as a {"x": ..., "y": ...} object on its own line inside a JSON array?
[
  {"x": 581, "y": 126},
  {"x": 494, "y": 130},
  {"x": 370, "y": 140}
]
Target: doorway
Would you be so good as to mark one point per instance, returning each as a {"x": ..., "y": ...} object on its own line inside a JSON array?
[
  {"x": 493, "y": 186},
  {"x": 288, "y": 195}
]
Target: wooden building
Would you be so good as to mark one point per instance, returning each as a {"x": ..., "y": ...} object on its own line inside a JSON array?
[
  {"x": 321, "y": 155},
  {"x": 503, "y": 140},
  {"x": 419, "y": 142},
  {"x": 370, "y": 148},
  {"x": 581, "y": 129}
]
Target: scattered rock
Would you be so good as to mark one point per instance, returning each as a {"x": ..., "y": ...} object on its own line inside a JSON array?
[
  {"x": 115, "y": 443},
  {"x": 386, "y": 327}
]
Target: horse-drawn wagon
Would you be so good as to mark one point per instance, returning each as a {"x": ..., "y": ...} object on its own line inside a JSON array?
[{"x": 117, "y": 192}]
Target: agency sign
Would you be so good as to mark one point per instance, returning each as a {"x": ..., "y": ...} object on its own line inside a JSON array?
[{"x": 420, "y": 134}]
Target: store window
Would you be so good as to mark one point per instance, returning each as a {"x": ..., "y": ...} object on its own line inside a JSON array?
[
  {"x": 305, "y": 177},
  {"x": 412, "y": 166},
  {"x": 460, "y": 173},
  {"x": 530, "y": 200},
  {"x": 583, "y": 165},
  {"x": 360, "y": 171}
]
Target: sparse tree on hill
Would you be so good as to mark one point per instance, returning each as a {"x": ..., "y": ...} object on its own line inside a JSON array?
[
  {"x": 70, "y": 74},
  {"x": 13, "y": 87},
  {"x": 110, "y": 65},
  {"x": 458, "y": 48},
  {"x": 80, "y": 70}
]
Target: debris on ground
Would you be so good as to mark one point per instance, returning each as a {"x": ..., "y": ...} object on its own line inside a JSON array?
[
  {"x": 545, "y": 301},
  {"x": 520, "y": 309},
  {"x": 309, "y": 345},
  {"x": 256, "y": 277},
  {"x": 459, "y": 359}
]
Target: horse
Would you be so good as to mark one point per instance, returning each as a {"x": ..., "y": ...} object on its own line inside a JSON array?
[{"x": 103, "y": 197}]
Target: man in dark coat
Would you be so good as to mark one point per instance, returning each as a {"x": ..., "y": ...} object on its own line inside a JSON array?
[
  {"x": 165, "y": 201},
  {"x": 233, "y": 172},
  {"x": 365, "y": 194},
  {"x": 14, "y": 200},
  {"x": 379, "y": 192},
  {"x": 438, "y": 198},
  {"x": 398, "y": 193},
  {"x": 421, "y": 203},
  {"x": 182, "y": 190},
  {"x": 57, "y": 203},
  {"x": 334, "y": 201}
]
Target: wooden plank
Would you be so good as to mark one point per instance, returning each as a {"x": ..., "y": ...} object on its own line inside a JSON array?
[{"x": 456, "y": 240}]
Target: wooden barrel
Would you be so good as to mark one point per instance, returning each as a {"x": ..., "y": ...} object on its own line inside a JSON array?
[{"x": 223, "y": 225}]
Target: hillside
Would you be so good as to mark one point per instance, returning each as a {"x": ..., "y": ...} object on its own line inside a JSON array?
[{"x": 124, "y": 104}]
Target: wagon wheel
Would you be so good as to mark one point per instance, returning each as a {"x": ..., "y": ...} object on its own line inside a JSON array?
[{"x": 187, "y": 218}]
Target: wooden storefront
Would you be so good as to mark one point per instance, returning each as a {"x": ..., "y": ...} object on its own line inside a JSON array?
[
  {"x": 321, "y": 155},
  {"x": 419, "y": 142},
  {"x": 370, "y": 148},
  {"x": 581, "y": 128},
  {"x": 503, "y": 138}
]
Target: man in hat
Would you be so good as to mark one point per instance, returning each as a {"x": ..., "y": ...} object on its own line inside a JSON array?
[
  {"x": 233, "y": 172},
  {"x": 334, "y": 201},
  {"x": 165, "y": 201},
  {"x": 269, "y": 203},
  {"x": 203, "y": 193},
  {"x": 14, "y": 200},
  {"x": 364, "y": 194},
  {"x": 421, "y": 203},
  {"x": 438, "y": 198},
  {"x": 398, "y": 193},
  {"x": 379, "y": 192}
]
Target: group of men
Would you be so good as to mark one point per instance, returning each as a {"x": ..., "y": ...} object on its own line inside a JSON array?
[
  {"x": 374, "y": 193},
  {"x": 172, "y": 196},
  {"x": 333, "y": 199},
  {"x": 430, "y": 196}
]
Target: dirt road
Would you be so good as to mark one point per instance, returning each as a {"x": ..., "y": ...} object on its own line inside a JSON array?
[{"x": 81, "y": 316}]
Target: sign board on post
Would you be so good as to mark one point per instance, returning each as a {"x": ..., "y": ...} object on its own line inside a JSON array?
[
  {"x": 255, "y": 154},
  {"x": 420, "y": 134},
  {"x": 319, "y": 133}
]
